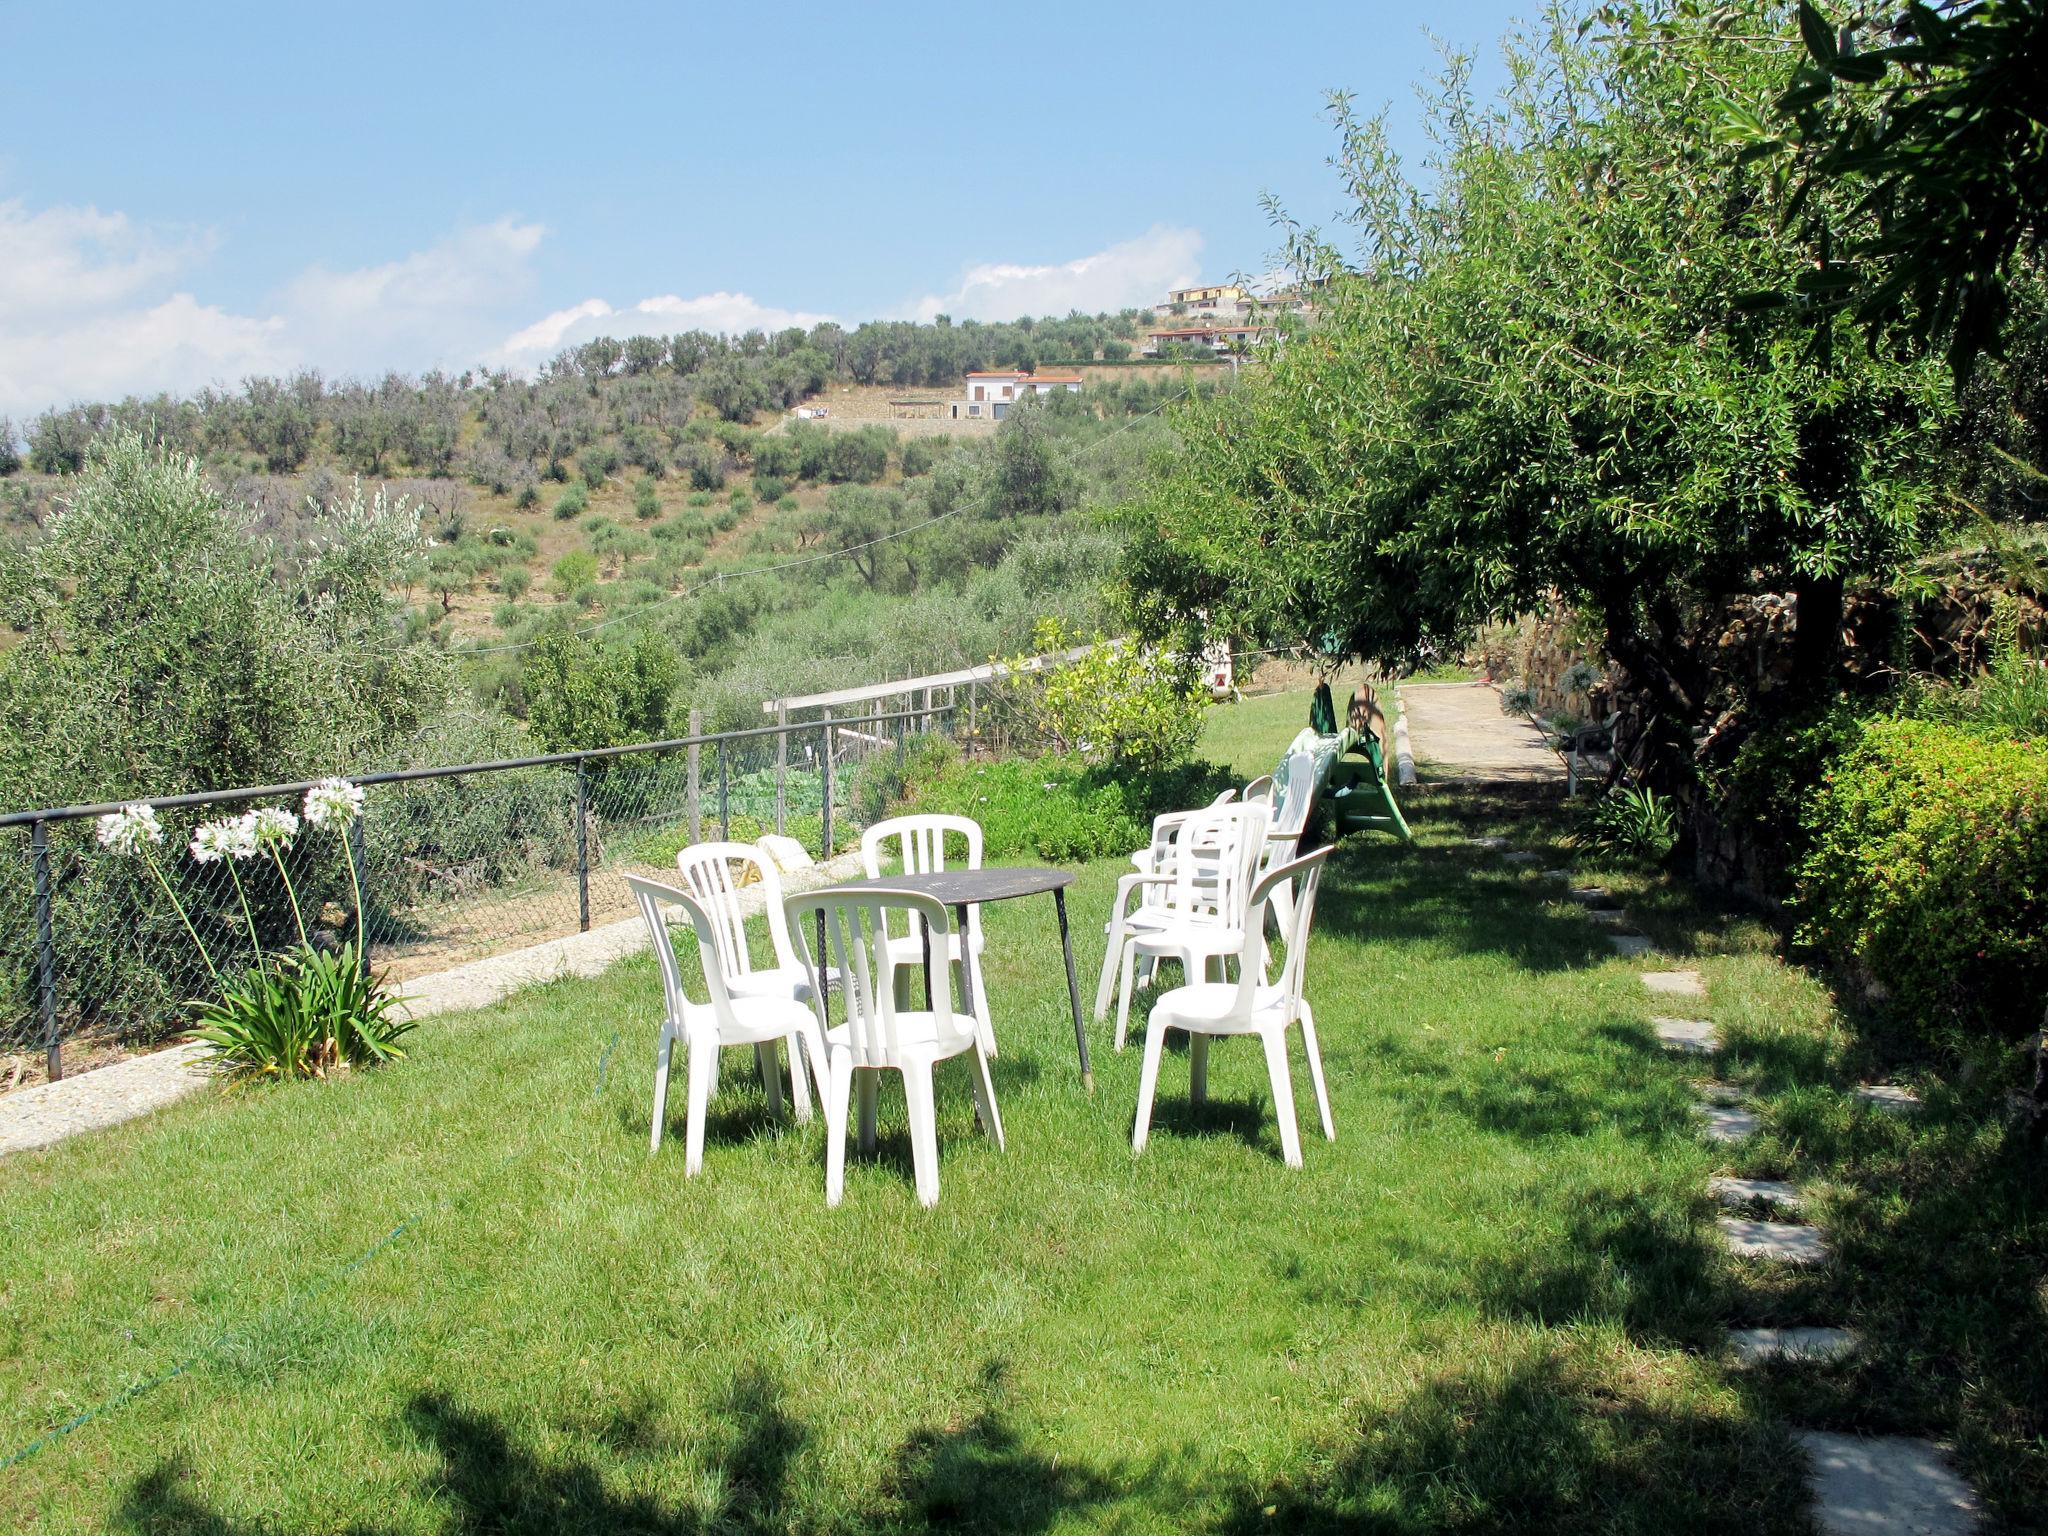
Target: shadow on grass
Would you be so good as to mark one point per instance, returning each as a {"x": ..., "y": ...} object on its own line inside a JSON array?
[
  {"x": 1550, "y": 1440},
  {"x": 975, "y": 1474}
]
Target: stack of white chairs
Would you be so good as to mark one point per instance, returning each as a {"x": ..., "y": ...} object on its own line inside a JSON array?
[
  {"x": 1253, "y": 1004},
  {"x": 760, "y": 1019},
  {"x": 878, "y": 1035},
  {"x": 1200, "y": 894}
]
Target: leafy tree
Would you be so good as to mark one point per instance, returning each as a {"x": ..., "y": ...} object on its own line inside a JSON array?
[
  {"x": 574, "y": 571},
  {"x": 1538, "y": 382},
  {"x": 644, "y": 354},
  {"x": 584, "y": 693},
  {"x": 280, "y": 421},
  {"x": 10, "y": 448},
  {"x": 1935, "y": 119},
  {"x": 59, "y": 440}
]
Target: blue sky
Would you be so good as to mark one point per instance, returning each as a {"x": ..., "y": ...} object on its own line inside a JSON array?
[{"x": 191, "y": 194}]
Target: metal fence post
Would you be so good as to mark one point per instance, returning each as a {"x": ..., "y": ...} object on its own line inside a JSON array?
[
  {"x": 359, "y": 863},
  {"x": 781, "y": 760},
  {"x": 724, "y": 793},
  {"x": 46, "y": 949},
  {"x": 696, "y": 801},
  {"x": 582, "y": 846},
  {"x": 825, "y": 806}
]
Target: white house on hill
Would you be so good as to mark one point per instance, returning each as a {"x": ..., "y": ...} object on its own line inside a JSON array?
[{"x": 990, "y": 395}]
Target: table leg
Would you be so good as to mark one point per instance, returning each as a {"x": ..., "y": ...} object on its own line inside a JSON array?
[
  {"x": 1059, "y": 901},
  {"x": 926, "y": 933},
  {"x": 823, "y": 984},
  {"x": 966, "y": 985}
]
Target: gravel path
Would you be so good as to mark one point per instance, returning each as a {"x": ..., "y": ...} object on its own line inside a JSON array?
[{"x": 1460, "y": 734}]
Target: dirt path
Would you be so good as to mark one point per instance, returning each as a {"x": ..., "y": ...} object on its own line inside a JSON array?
[{"x": 1459, "y": 733}]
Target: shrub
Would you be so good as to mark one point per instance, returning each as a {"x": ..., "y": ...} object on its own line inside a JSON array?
[
  {"x": 1115, "y": 705},
  {"x": 646, "y": 501},
  {"x": 576, "y": 569},
  {"x": 572, "y": 503},
  {"x": 1060, "y": 807},
  {"x": 599, "y": 463},
  {"x": 767, "y": 488},
  {"x": 1929, "y": 873},
  {"x": 1635, "y": 823},
  {"x": 514, "y": 580}
]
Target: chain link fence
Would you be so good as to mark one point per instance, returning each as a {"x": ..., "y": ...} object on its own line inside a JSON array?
[{"x": 455, "y": 864}]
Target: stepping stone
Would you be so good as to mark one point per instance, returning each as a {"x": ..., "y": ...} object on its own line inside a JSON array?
[
  {"x": 1675, "y": 983},
  {"x": 1727, "y": 1123},
  {"x": 1741, "y": 1192},
  {"x": 1719, "y": 1093},
  {"x": 1632, "y": 946},
  {"x": 1777, "y": 1240},
  {"x": 1590, "y": 895},
  {"x": 1521, "y": 857},
  {"x": 1885, "y": 1485},
  {"x": 1486, "y": 842},
  {"x": 1818, "y": 1346},
  {"x": 1612, "y": 917},
  {"x": 1694, "y": 1037},
  {"x": 1563, "y": 876},
  {"x": 1890, "y": 1096}
]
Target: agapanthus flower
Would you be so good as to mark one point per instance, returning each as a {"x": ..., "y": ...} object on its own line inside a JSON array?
[
  {"x": 333, "y": 803},
  {"x": 230, "y": 839},
  {"x": 130, "y": 829},
  {"x": 271, "y": 826}
]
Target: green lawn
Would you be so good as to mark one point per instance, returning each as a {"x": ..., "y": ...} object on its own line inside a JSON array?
[{"x": 458, "y": 1296}]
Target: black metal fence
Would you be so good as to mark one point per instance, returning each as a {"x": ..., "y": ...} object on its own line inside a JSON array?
[{"x": 454, "y": 864}]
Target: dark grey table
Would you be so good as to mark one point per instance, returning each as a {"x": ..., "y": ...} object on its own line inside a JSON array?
[{"x": 964, "y": 888}]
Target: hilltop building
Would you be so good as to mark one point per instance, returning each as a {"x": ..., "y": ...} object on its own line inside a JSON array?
[
  {"x": 1215, "y": 338},
  {"x": 1217, "y": 298},
  {"x": 991, "y": 394}
]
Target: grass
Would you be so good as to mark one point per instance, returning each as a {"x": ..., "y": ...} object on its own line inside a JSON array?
[{"x": 458, "y": 1296}]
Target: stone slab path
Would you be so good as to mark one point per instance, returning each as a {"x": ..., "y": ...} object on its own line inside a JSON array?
[
  {"x": 1741, "y": 1192},
  {"x": 1675, "y": 983},
  {"x": 1689, "y": 1037},
  {"x": 1815, "y": 1346},
  {"x": 1886, "y": 1485},
  {"x": 1461, "y": 735},
  {"x": 1727, "y": 1123},
  {"x": 1890, "y": 1096},
  {"x": 1780, "y": 1241},
  {"x": 50, "y": 1112}
]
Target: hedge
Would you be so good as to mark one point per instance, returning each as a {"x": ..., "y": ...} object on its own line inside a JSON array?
[{"x": 1928, "y": 873}]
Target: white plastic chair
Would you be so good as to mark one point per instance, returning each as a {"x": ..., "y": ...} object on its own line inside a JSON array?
[
  {"x": 1200, "y": 919},
  {"x": 918, "y": 843},
  {"x": 1260, "y": 788},
  {"x": 1290, "y": 822},
  {"x": 724, "y": 1020},
  {"x": 878, "y": 1036},
  {"x": 1251, "y": 1005}
]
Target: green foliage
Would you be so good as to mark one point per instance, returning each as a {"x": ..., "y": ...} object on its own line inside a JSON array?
[
  {"x": 168, "y": 644},
  {"x": 2008, "y": 701},
  {"x": 1532, "y": 382},
  {"x": 1771, "y": 783},
  {"x": 647, "y": 500},
  {"x": 768, "y": 489},
  {"x": 1060, "y": 807},
  {"x": 1632, "y": 822},
  {"x": 1929, "y": 873},
  {"x": 574, "y": 571},
  {"x": 572, "y": 503},
  {"x": 583, "y": 693},
  {"x": 1116, "y": 704},
  {"x": 302, "y": 1015}
]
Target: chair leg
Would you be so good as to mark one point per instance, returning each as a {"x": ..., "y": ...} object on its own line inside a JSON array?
[
  {"x": 703, "y": 1062},
  {"x": 1275, "y": 1041},
  {"x": 924, "y": 1133},
  {"x": 768, "y": 1062},
  {"x": 799, "y": 1080},
  {"x": 815, "y": 1053},
  {"x": 984, "y": 1026},
  {"x": 1148, "y": 1083},
  {"x": 985, "y": 1099},
  {"x": 1123, "y": 1000},
  {"x": 867, "y": 1082},
  {"x": 1198, "y": 1069},
  {"x": 661, "y": 1056},
  {"x": 838, "y": 1092},
  {"x": 1315, "y": 1071},
  {"x": 1109, "y": 960}
]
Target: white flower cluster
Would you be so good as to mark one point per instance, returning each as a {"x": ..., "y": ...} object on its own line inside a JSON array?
[
  {"x": 130, "y": 829},
  {"x": 272, "y": 826},
  {"x": 230, "y": 838},
  {"x": 333, "y": 803}
]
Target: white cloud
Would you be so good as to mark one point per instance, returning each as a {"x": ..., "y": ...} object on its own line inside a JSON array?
[
  {"x": 731, "y": 313},
  {"x": 1129, "y": 274},
  {"x": 94, "y": 307}
]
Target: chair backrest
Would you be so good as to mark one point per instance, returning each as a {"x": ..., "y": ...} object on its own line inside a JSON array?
[
  {"x": 856, "y": 941},
  {"x": 712, "y": 872},
  {"x": 1215, "y": 853},
  {"x": 1260, "y": 789},
  {"x": 919, "y": 844},
  {"x": 1291, "y": 891},
  {"x": 652, "y": 896},
  {"x": 1297, "y": 780}
]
